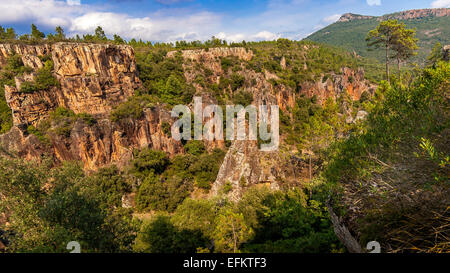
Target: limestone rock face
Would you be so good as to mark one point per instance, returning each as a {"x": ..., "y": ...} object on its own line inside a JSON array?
[
  {"x": 403, "y": 15},
  {"x": 92, "y": 78},
  {"x": 418, "y": 13},
  {"x": 214, "y": 53},
  {"x": 350, "y": 81},
  {"x": 351, "y": 17},
  {"x": 446, "y": 52},
  {"x": 30, "y": 53},
  {"x": 244, "y": 164},
  {"x": 99, "y": 144}
]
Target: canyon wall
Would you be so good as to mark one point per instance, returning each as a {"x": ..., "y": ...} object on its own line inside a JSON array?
[
  {"x": 244, "y": 164},
  {"x": 93, "y": 78}
]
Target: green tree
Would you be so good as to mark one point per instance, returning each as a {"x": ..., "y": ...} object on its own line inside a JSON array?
[
  {"x": 100, "y": 34},
  {"x": 392, "y": 35},
  {"x": 152, "y": 194},
  {"x": 196, "y": 215},
  {"x": 231, "y": 231},
  {"x": 149, "y": 161},
  {"x": 60, "y": 36},
  {"x": 48, "y": 207},
  {"x": 10, "y": 34},
  {"x": 161, "y": 236},
  {"x": 436, "y": 55},
  {"x": 118, "y": 40},
  {"x": 36, "y": 34},
  {"x": 406, "y": 45},
  {"x": 2, "y": 33}
]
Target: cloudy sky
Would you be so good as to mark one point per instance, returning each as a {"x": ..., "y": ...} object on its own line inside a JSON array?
[{"x": 171, "y": 20}]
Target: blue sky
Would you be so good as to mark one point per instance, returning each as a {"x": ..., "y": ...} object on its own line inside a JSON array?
[{"x": 171, "y": 20}]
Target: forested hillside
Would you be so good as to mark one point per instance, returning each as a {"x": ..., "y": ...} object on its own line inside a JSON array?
[
  {"x": 351, "y": 34},
  {"x": 86, "y": 152}
]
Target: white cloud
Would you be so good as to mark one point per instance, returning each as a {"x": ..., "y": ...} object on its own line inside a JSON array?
[
  {"x": 73, "y": 2},
  {"x": 45, "y": 12},
  {"x": 239, "y": 37},
  {"x": 158, "y": 28},
  {"x": 441, "y": 4},
  {"x": 78, "y": 18},
  {"x": 373, "y": 2},
  {"x": 332, "y": 18},
  {"x": 281, "y": 18},
  {"x": 265, "y": 35},
  {"x": 164, "y": 25}
]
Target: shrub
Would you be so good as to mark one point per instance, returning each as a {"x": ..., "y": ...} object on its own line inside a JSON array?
[
  {"x": 237, "y": 81},
  {"x": 44, "y": 77},
  {"x": 151, "y": 194},
  {"x": 132, "y": 108},
  {"x": 28, "y": 87},
  {"x": 195, "y": 147},
  {"x": 148, "y": 161},
  {"x": 243, "y": 98},
  {"x": 161, "y": 236},
  {"x": 44, "y": 80},
  {"x": 226, "y": 63}
]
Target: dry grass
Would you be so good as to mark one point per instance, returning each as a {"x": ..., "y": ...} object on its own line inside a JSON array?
[{"x": 400, "y": 204}]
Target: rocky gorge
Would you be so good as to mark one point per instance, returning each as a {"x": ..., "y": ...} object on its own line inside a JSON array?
[{"x": 94, "y": 78}]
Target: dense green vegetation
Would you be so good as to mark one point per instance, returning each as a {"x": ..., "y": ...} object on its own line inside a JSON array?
[
  {"x": 165, "y": 184},
  {"x": 60, "y": 122},
  {"x": 402, "y": 142},
  {"x": 53, "y": 206},
  {"x": 305, "y": 61},
  {"x": 262, "y": 221}
]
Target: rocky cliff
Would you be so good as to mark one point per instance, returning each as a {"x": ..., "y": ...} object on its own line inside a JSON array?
[
  {"x": 347, "y": 17},
  {"x": 404, "y": 15},
  {"x": 244, "y": 164},
  {"x": 418, "y": 13},
  {"x": 93, "y": 78}
]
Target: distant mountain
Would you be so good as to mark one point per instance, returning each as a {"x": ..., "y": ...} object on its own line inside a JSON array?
[{"x": 349, "y": 32}]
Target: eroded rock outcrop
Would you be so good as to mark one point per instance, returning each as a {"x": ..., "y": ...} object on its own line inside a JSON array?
[
  {"x": 403, "y": 15},
  {"x": 351, "y": 17},
  {"x": 349, "y": 81},
  {"x": 418, "y": 13},
  {"x": 244, "y": 164},
  {"x": 92, "y": 79},
  {"x": 98, "y": 144}
]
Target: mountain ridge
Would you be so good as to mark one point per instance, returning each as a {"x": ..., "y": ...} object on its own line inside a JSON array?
[
  {"x": 349, "y": 32},
  {"x": 402, "y": 15}
]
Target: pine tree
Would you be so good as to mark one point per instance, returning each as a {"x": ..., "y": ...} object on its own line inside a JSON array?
[
  {"x": 100, "y": 34},
  {"x": 10, "y": 34},
  {"x": 392, "y": 35},
  {"x": 60, "y": 36},
  {"x": 436, "y": 55},
  {"x": 36, "y": 34},
  {"x": 231, "y": 231}
]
